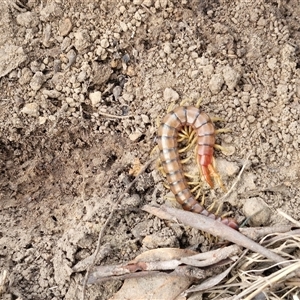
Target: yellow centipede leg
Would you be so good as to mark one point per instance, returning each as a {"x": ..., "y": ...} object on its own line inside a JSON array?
[
  {"x": 223, "y": 130},
  {"x": 185, "y": 160},
  {"x": 198, "y": 104},
  {"x": 217, "y": 119}
]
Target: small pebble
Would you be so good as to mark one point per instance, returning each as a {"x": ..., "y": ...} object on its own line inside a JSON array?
[
  {"x": 37, "y": 81},
  {"x": 231, "y": 77},
  {"x": 65, "y": 26},
  {"x": 31, "y": 109},
  {"x": 215, "y": 84},
  {"x": 257, "y": 211},
  {"x": 170, "y": 95},
  {"x": 27, "y": 19},
  {"x": 95, "y": 98},
  {"x": 135, "y": 136}
]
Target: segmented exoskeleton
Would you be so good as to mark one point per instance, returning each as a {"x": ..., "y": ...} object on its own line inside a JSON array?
[{"x": 169, "y": 155}]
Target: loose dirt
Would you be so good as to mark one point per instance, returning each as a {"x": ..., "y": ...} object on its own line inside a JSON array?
[{"x": 83, "y": 84}]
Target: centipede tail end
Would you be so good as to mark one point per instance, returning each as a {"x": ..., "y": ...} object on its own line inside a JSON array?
[
  {"x": 232, "y": 223},
  {"x": 206, "y": 174}
]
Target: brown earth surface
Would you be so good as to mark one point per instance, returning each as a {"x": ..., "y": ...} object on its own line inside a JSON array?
[{"x": 83, "y": 85}]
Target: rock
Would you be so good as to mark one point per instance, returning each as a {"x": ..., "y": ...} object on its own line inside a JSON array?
[
  {"x": 71, "y": 55},
  {"x": 65, "y": 26},
  {"x": 101, "y": 73},
  {"x": 170, "y": 95},
  {"x": 117, "y": 91},
  {"x": 156, "y": 240},
  {"x": 51, "y": 93},
  {"x": 50, "y": 11},
  {"x": 215, "y": 84},
  {"x": 28, "y": 19},
  {"x": 145, "y": 119},
  {"x": 208, "y": 70},
  {"x": 272, "y": 63},
  {"x": 226, "y": 168},
  {"x": 167, "y": 48},
  {"x": 135, "y": 136},
  {"x": 65, "y": 43},
  {"x": 130, "y": 71},
  {"x": 47, "y": 35},
  {"x": 11, "y": 57},
  {"x": 82, "y": 76},
  {"x": 95, "y": 98},
  {"x": 31, "y": 109},
  {"x": 251, "y": 119},
  {"x": 148, "y": 3},
  {"x": 42, "y": 120},
  {"x": 37, "y": 81},
  {"x": 123, "y": 26},
  {"x": 26, "y": 76},
  {"x": 231, "y": 77},
  {"x": 82, "y": 40},
  {"x": 257, "y": 211},
  {"x": 104, "y": 43}
]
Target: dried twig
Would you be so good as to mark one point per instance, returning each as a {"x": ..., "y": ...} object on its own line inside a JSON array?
[
  {"x": 213, "y": 281},
  {"x": 297, "y": 223},
  {"x": 102, "y": 273},
  {"x": 218, "y": 229},
  {"x": 254, "y": 233},
  {"x": 211, "y": 257},
  {"x": 263, "y": 283},
  {"x": 101, "y": 233},
  {"x": 113, "y": 116}
]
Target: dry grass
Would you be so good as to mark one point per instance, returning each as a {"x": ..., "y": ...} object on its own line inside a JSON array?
[{"x": 256, "y": 277}]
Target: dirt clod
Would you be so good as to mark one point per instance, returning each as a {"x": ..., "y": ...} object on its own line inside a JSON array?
[{"x": 83, "y": 86}]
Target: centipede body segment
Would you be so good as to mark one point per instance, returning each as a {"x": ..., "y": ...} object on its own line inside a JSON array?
[{"x": 169, "y": 155}]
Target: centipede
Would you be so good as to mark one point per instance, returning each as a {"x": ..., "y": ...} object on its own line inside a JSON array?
[{"x": 167, "y": 141}]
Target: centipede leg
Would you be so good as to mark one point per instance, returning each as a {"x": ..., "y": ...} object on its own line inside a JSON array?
[
  {"x": 171, "y": 107},
  {"x": 224, "y": 150},
  {"x": 184, "y": 101},
  {"x": 217, "y": 119},
  {"x": 216, "y": 176},
  {"x": 155, "y": 149},
  {"x": 212, "y": 206},
  {"x": 223, "y": 130}
]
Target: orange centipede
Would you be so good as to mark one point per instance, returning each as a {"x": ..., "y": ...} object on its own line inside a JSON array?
[{"x": 169, "y": 155}]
